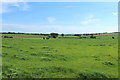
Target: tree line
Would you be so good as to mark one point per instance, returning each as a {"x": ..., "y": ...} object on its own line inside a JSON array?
[{"x": 55, "y": 35}]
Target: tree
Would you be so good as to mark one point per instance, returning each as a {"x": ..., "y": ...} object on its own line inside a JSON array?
[
  {"x": 54, "y": 35},
  {"x": 76, "y": 34},
  {"x": 62, "y": 34}
]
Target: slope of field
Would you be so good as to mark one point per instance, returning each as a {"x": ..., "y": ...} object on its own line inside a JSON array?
[
  {"x": 40, "y": 36},
  {"x": 60, "y": 58},
  {"x": 24, "y": 35}
]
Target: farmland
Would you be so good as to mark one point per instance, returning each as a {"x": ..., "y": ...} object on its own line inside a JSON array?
[{"x": 60, "y": 58}]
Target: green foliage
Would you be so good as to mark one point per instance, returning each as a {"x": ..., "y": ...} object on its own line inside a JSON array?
[{"x": 54, "y": 35}]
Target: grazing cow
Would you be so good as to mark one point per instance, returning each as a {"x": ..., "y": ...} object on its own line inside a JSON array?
[
  {"x": 7, "y": 37},
  {"x": 10, "y": 37},
  {"x": 4, "y": 36},
  {"x": 113, "y": 37},
  {"x": 93, "y": 37},
  {"x": 47, "y": 37},
  {"x": 43, "y": 37}
]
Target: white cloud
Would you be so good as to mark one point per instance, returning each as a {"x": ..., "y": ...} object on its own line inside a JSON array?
[
  {"x": 89, "y": 20},
  {"x": 114, "y": 13},
  {"x": 22, "y": 5},
  {"x": 6, "y": 6},
  {"x": 51, "y": 19}
]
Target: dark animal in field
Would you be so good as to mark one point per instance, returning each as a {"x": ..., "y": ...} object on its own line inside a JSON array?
[
  {"x": 43, "y": 37},
  {"x": 93, "y": 37},
  {"x": 113, "y": 37},
  {"x": 10, "y": 37},
  {"x": 47, "y": 38},
  {"x": 7, "y": 37}
]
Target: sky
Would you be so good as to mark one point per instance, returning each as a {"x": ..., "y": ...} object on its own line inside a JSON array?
[{"x": 59, "y": 17}]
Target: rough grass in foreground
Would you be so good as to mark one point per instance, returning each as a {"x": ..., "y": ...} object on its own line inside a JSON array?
[{"x": 60, "y": 58}]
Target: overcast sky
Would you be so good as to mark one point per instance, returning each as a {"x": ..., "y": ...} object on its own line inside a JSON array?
[{"x": 60, "y": 17}]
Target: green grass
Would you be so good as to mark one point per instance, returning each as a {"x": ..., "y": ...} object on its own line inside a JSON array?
[{"x": 60, "y": 58}]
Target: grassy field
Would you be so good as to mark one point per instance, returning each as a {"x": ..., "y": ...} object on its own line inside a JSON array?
[{"x": 60, "y": 58}]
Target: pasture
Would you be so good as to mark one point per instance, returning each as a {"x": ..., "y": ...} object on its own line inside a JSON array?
[{"x": 60, "y": 58}]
